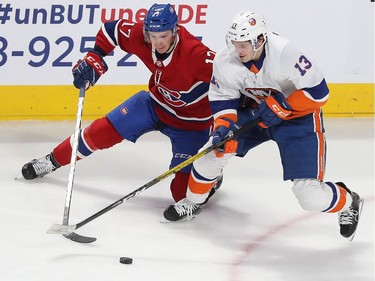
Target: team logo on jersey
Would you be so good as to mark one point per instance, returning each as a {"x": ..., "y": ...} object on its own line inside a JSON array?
[
  {"x": 171, "y": 97},
  {"x": 252, "y": 22},
  {"x": 124, "y": 110},
  {"x": 260, "y": 93}
]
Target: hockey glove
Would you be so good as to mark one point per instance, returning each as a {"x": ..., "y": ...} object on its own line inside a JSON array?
[
  {"x": 223, "y": 127},
  {"x": 88, "y": 70},
  {"x": 272, "y": 111}
]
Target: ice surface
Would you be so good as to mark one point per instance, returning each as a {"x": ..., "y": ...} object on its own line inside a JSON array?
[{"x": 252, "y": 229}]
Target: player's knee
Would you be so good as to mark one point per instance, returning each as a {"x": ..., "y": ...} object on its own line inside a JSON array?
[{"x": 311, "y": 195}]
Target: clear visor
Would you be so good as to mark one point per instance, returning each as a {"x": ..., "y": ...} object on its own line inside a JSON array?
[
  {"x": 240, "y": 45},
  {"x": 252, "y": 44}
]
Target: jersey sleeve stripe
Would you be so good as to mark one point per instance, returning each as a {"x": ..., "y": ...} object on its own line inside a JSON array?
[
  {"x": 104, "y": 41},
  {"x": 318, "y": 92},
  {"x": 302, "y": 104}
]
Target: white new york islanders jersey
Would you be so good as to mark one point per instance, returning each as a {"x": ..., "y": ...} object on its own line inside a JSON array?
[{"x": 281, "y": 68}]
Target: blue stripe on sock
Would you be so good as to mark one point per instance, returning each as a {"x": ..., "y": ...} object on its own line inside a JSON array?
[
  {"x": 334, "y": 199},
  {"x": 82, "y": 148},
  {"x": 199, "y": 177}
]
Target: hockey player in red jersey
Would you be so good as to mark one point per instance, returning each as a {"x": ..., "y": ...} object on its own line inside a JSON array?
[
  {"x": 287, "y": 90},
  {"x": 176, "y": 103}
]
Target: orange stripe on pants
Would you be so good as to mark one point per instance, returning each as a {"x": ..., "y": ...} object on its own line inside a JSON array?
[{"x": 321, "y": 144}]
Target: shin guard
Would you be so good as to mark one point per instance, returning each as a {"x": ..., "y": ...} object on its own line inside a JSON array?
[{"x": 99, "y": 135}]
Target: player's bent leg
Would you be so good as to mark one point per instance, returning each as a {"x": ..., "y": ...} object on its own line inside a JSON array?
[
  {"x": 316, "y": 196},
  {"x": 99, "y": 135},
  {"x": 206, "y": 176},
  {"x": 328, "y": 197}
]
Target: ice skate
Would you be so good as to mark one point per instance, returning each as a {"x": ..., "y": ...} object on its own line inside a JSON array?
[
  {"x": 348, "y": 220},
  {"x": 38, "y": 168},
  {"x": 183, "y": 210}
]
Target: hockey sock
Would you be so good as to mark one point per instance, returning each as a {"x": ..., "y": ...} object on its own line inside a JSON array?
[
  {"x": 341, "y": 197},
  {"x": 199, "y": 187},
  {"x": 179, "y": 186},
  {"x": 99, "y": 135}
]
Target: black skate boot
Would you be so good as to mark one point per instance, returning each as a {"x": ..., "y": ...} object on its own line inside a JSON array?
[
  {"x": 183, "y": 210},
  {"x": 348, "y": 220},
  {"x": 38, "y": 168}
]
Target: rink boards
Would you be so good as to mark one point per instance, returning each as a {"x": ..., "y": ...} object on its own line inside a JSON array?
[{"x": 60, "y": 102}]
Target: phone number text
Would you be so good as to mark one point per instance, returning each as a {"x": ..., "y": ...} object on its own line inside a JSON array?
[{"x": 39, "y": 50}]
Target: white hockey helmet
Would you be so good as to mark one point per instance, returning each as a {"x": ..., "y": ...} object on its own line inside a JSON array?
[{"x": 247, "y": 26}]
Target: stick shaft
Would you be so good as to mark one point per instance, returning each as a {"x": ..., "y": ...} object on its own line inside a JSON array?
[{"x": 73, "y": 159}]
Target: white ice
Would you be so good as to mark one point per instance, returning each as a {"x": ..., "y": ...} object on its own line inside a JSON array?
[{"x": 252, "y": 229}]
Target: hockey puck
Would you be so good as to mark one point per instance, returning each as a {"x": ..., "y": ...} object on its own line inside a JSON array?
[{"x": 126, "y": 260}]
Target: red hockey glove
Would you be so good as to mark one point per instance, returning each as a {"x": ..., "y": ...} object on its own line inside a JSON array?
[
  {"x": 272, "y": 111},
  {"x": 223, "y": 127},
  {"x": 88, "y": 70}
]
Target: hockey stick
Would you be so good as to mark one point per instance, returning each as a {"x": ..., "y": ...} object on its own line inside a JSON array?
[
  {"x": 73, "y": 160},
  {"x": 68, "y": 229}
]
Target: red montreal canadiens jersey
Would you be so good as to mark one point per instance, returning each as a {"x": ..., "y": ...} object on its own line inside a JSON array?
[{"x": 179, "y": 84}]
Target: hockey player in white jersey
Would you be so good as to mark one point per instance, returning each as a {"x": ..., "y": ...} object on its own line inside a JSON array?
[{"x": 261, "y": 75}]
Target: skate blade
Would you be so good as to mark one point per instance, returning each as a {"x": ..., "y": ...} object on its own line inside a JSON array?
[{"x": 164, "y": 220}]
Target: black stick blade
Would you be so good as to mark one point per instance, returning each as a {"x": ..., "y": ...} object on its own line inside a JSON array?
[
  {"x": 67, "y": 232},
  {"x": 79, "y": 238}
]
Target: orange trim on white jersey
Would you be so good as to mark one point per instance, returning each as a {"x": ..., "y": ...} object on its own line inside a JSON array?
[{"x": 303, "y": 105}]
